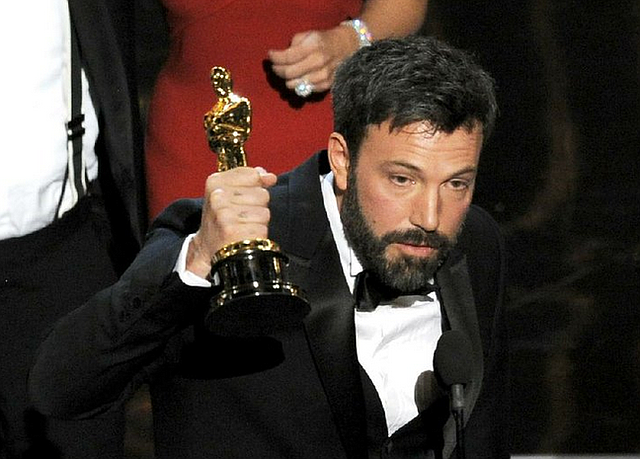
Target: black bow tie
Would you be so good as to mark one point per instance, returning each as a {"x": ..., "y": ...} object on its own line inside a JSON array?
[{"x": 369, "y": 292}]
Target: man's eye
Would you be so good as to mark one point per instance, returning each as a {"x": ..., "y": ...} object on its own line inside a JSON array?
[
  {"x": 459, "y": 184},
  {"x": 401, "y": 180}
]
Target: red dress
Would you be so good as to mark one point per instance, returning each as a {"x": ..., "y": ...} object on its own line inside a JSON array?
[{"x": 235, "y": 34}]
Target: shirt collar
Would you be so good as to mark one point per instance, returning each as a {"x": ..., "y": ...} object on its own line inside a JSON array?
[{"x": 351, "y": 266}]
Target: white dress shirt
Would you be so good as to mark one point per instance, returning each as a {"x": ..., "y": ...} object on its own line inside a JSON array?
[{"x": 35, "y": 94}]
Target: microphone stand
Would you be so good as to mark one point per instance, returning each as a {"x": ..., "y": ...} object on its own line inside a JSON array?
[{"x": 457, "y": 409}]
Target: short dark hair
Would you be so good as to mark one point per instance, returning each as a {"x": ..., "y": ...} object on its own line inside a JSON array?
[{"x": 411, "y": 80}]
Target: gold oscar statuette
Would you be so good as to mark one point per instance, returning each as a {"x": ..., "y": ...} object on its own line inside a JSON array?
[{"x": 256, "y": 298}]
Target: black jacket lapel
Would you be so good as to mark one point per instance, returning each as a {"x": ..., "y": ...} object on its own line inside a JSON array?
[
  {"x": 315, "y": 264},
  {"x": 331, "y": 335},
  {"x": 458, "y": 305}
]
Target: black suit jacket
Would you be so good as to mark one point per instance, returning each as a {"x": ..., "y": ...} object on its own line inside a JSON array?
[
  {"x": 107, "y": 53},
  {"x": 297, "y": 393}
]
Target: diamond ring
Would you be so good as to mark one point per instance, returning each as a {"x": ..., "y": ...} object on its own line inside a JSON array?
[{"x": 303, "y": 88}]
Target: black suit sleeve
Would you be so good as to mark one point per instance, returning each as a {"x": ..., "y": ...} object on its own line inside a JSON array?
[{"x": 101, "y": 352}]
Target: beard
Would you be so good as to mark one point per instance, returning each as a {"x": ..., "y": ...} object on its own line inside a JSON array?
[{"x": 404, "y": 273}]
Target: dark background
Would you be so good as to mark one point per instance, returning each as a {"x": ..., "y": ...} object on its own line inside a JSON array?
[{"x": 561, "y": 175}]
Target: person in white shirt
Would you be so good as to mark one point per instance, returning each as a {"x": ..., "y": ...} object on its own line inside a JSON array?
[
  {"x": 71, "y": 209},
  {"x": 389, "y": 202}
]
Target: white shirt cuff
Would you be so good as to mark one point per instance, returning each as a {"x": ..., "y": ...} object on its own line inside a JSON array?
[{"x": 188, "y": 277}]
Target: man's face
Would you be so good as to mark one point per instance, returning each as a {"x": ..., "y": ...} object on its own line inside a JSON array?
[{"x": 404, "y": 202}]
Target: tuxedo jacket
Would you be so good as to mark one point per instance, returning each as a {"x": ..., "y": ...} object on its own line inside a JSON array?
[
  {"x": 298, "y": 393},
  {"x": 105, "y": 38}
]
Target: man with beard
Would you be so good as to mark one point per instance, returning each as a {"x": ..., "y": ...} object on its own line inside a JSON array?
[{"x": 388, "y": 205}]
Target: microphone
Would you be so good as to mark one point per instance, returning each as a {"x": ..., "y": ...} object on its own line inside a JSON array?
[{"x": 452, "y": 365}]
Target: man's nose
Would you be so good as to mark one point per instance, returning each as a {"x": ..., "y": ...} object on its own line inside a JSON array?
[{"x": 426, "y": 211}]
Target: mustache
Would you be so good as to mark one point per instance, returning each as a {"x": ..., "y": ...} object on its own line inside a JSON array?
[{"x": 434, "y": 240}]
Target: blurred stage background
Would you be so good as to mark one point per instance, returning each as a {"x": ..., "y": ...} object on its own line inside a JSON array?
[{"x": 561, "y": 175}]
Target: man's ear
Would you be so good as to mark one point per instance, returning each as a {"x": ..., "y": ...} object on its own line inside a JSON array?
[{"x": 339, "y": 161}]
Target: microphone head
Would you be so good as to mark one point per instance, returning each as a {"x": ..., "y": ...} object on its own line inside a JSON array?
[{"x": 452, "y": 360}]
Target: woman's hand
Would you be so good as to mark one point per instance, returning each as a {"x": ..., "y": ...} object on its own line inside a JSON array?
[{"x": 314, "y": 56}]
